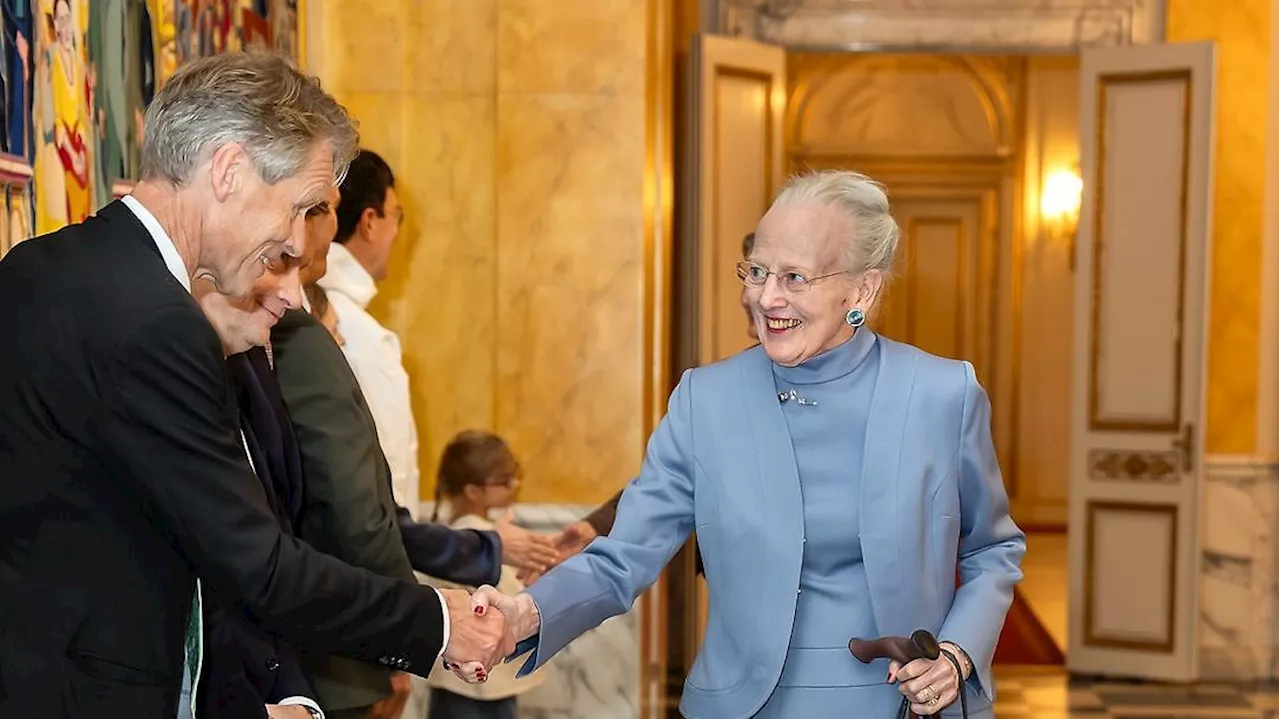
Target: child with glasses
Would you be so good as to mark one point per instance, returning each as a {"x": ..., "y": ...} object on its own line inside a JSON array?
[{"x": 477, "y": 481}]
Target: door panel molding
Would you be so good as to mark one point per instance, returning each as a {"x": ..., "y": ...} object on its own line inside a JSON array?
[
  {"x": 1138, "y": 361},
  {"x": 1099, "y": 418}
]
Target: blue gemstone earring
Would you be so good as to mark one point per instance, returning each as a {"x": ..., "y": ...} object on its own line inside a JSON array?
[{"x": 855, "y": 317}]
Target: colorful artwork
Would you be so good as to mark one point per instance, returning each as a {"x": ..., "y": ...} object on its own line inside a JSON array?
[
  {"x": 164, "y": 38},
  {"x": 284, "y": 27},
  {"x": 120, "y": 52},
  {"x": 15, "y": 210},
  {"x": 75, "y": 79},
  {"x": 254, "y": 30},
  {"x": 64, "y": 137},
  {"x": 17, "y": 77}
]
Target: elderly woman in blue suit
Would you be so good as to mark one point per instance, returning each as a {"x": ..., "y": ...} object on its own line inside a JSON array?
[{"x": 835, "y": 479}]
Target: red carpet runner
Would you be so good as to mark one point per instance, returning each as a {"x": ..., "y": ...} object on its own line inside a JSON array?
[{"x": 1024, "y": 639}]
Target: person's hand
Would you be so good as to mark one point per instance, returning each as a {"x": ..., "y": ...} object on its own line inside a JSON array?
[
  {"x": 478, "y": 638},
  {"x": 574, "y": 538},
  {"x": 393, "y": 706},
  {"x": 523, "y": 620},
  {"x": 571, "y": 540},
  {"x": 929, "y": 684},
  {"x": 522, "y": 548},
  {"x": 287, "y": 711},
  {"x": 523, "y": 617}
]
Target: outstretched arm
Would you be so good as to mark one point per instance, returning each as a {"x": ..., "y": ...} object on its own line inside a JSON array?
[
  {"x": 461, "y": 556},
  {"x": 655, "y": 516}
]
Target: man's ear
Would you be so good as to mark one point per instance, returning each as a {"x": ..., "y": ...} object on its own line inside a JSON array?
[
  {"x": 365, "y": 227},
  {"x": 228, "y": 166}
]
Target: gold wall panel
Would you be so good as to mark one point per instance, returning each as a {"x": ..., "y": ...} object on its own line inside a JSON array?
[
  {"x": 520, "y": 285},
  {"x": 902, "y": 105},
  {"x": 1240, "y": 30},
  {"x": 941, "y": 130},
  {"x": 569, "y": 392}
]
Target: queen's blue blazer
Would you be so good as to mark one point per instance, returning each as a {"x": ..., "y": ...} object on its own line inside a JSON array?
[{"x": 721, "y": 463}]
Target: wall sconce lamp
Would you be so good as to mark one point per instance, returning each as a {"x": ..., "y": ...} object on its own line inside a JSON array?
[{"x": 1060, "y": 207}]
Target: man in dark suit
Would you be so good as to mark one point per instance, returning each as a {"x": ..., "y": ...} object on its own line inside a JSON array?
[
  {"x": 252, "y": 668},
  {"x": 247, "y": 672},
  {"x": 348, "y": 509},
  {"x": 123, "y": 478}
]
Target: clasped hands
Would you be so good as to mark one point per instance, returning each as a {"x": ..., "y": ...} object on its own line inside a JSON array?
[{"x": 484, "y": 629}]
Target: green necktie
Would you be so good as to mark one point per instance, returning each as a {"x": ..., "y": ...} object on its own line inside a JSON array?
[{"x": 193, "y": 644}]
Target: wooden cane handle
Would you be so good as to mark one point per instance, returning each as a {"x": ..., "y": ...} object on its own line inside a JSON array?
[{"x": 920, "y": 645}]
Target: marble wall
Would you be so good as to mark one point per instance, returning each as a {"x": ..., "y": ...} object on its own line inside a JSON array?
[
  {"x": 598, "y": 675},
  {"x": 1238, "y": 574},
  {"x": 517, "y": 131},
  {"x": 1241, "y": 31}
]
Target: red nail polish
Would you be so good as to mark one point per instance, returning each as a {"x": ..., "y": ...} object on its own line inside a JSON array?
[{"x": 479, "y": 610}]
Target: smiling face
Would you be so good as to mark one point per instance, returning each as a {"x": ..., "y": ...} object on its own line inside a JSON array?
[
  {"x": 242, "y": 324},
  {"x": 807, "y": 241}
]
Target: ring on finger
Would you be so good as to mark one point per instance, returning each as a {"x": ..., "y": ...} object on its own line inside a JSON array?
[{"x": 928, "y": 694}]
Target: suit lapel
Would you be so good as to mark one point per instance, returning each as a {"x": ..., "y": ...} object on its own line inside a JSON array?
[
  {"x": 778, "y": 478},
  {"x": 291, "y": 469},
  {"x": 879, "y": 516}
]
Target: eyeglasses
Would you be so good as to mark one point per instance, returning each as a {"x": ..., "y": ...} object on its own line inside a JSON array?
[
  {"x": 754, "y": 276},
  {"x": 510, "y": 482}
]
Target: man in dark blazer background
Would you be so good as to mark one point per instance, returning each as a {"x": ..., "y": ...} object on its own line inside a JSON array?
[
  {"x": 348, "y": 509},
  {"x": 123, "y": 479}
]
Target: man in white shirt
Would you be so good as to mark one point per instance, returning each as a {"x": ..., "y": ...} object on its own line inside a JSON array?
[{"x": 369, "y": 218}]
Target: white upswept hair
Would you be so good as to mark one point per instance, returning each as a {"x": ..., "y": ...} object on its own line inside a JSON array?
[{"x": 874, "y": 240}]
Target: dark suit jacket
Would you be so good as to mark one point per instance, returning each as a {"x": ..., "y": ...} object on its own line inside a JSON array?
[
  {"x": 123, "y": 478},
  {"x": 244, "y": 667},
  {"x": 461, "y": 556},
  {"x": 348, "y": 510}
]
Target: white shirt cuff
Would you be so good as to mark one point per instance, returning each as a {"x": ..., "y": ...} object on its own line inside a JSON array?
[
  {"x": 304, "y": 701},
  {"x": 444, "y": 612}
]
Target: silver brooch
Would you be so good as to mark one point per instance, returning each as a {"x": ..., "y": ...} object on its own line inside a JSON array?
[{"x": 791, "y": 395}]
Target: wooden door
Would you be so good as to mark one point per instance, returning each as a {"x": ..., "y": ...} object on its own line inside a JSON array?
[{"x": 1146, "y": 124}]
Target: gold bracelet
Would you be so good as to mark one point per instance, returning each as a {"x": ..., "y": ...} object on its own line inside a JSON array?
[{"x": 966, "y": 664}]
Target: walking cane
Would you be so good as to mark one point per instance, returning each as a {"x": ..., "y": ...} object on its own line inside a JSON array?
[{"x": 920, "y": 645}]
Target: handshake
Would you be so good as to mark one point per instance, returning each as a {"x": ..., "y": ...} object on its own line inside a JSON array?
[{"x": 484, "y": 629}]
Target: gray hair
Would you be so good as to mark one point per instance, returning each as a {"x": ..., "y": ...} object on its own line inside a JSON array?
[
  {"x": 874, "y": 241},
  {"x": 257, "y": 99}
]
